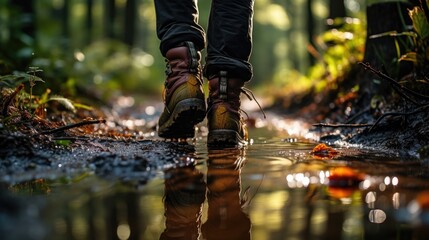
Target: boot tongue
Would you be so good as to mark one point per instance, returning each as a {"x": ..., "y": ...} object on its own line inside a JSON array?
[
  {"x": 186, "y": 57},
  {"x": 178, "y": 53},
  {"x": 181, "y": 61}
]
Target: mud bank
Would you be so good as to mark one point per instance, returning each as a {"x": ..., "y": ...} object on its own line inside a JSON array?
[
  {"x": 403, "y": 137},
  {"x": 21, "y": 159}
]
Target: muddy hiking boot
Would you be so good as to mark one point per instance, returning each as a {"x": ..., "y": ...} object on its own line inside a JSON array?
[
  {"x": 225, "y": 124},
  {"x": 183, "y": 95}
]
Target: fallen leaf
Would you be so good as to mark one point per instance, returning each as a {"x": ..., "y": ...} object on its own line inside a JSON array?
[
  {"x": 322, "y": 151},
  {"x": 344, "y": 177},
  {"x": 423, "y": 199},
  {"x": 340, "y": 192}
]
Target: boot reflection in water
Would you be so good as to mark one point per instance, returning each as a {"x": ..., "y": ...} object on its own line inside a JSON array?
[
  {"x": 184, "y": 195},
  {"x": 226, "y": 219}
]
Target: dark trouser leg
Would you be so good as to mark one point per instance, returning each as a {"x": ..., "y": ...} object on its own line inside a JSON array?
[
  {"x": 177, "y": 22},
  {"x": 230, "y": 38}
]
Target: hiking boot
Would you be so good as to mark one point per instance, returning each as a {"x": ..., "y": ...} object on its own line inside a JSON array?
[
  {"x": 183, "y": 95},
  {"x": 225, "y": 124}
]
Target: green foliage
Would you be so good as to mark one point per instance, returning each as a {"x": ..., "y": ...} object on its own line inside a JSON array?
[
  {"x": 64, "y": 143},
  {"x": 110, "y": 65},
  {"x": 340, "y": 48},
  {"x": 70, "y": 58},
  {"x": 29, "y": 101},
  {"x": 420, "y": 22},
  {"x": 16, "y": 46},
  {"x": 419, "y": 54},
  {"x": 337, "y": 50},
  {"x": 76, "y": 54},
  {"x": 103, "y": 68},
  {"x": 13, "y": 80}
]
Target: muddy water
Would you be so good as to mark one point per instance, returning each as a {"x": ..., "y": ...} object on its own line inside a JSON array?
[{"x": 271, "y": 189}]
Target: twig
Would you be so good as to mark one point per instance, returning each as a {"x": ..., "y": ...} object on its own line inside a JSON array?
[
  {"x": 342, "y": 125},
  {"x": 395, "y": 85},
  {"x": 70, "y": 138},
  {"x": 417, "y": 110},
  {"x": 392, "y": 81},
  {"x": 358, "y": 114},
  {"x": 398, "y": 90},
  {"x": 348, "y": 125},
  {"x": 74, "y": 125}
]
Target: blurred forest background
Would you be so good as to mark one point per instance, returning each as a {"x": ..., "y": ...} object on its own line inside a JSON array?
[{"x": 111, "y": 46}]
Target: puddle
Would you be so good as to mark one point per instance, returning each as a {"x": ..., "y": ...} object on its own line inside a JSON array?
[{"x": 272, "y": 189}]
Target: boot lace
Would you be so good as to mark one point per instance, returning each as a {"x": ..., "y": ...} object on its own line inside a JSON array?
[{"x": 250, "y": 96}]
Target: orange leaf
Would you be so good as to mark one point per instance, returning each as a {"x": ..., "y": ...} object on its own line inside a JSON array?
[
  {"x": 339, "y": 192},
  {"x": 423, "y": 199},
  {"x": 344, "y": 177},
  {"x": 322, "y": 151}
]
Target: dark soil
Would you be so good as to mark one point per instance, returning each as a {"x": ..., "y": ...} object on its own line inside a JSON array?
[
  {"x": 23, "y": 158},
  {"x": 406, "y": 135}
]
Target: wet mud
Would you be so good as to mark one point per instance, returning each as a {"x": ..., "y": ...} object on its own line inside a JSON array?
[{"x": 113, "y": 159}]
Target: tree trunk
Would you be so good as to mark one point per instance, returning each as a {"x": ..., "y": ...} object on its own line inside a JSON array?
[
  {"x": 109, "y": 19},
  {"x": 336, "y": 9},
  {"x": 89, "y": 21},
  {"x": 310, "y": 29},
  {"x": 65, "y": 16},
  {"x": 26, "y": 8},
  {"x": 381, "y": 49},
  {"x": 130, "y": 22}
]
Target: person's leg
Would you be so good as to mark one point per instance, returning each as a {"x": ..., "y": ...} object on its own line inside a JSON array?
[
  {"x": 227, "y": 69},
  {"x": 181, "y": 41},
  {"x": 230, "y": 38},
  {"x": 176, "y": 23}
]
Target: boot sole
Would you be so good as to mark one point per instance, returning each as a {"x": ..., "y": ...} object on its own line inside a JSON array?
[
  {"x": 186, "y": 114},
  {"x": 224, "y": 138}
]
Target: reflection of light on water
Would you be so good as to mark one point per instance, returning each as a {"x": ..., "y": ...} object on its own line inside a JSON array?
[
  {"x": 384, "y": 185},
  {"x": 395, "y": 181},
  {"x": 123, "y": 231},
  {"x": 377, "y": 216},
  {"x": 125, "y": 101},
  {"x": 370, "y": 197},
  {"x": 395, "y": 200},
  {"x": 382, "y": 182},
  {"x": 365, "y": 184},
  {"x": 266, "y": 211},
  {"x": 322, "y": 177},
  {"x": 387, "y": 180},
  {"x": 293, "y": 127},
  {"x": 414, "y": 208},
  {"x": 150, "y": 110},
  {"x": 133, "y": 123},
  {"x": 299, "y": 180},
  {"x": 260, "y": 123}
]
